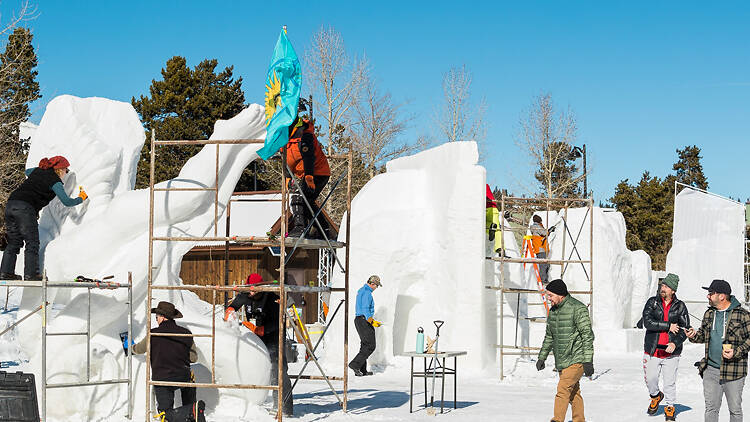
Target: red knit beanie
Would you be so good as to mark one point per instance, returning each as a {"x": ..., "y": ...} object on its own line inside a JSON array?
[
  {"x": 56, "y": 162},
  {"x": 254, "y": 278}
]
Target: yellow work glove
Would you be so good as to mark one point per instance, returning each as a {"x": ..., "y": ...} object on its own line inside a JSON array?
[
  {"x": 310, "y": 181},
  {"x": 82, "y": 193},
  {"x": 228, "y": 313},
  {"x": 252, "y": 327},
  {"x": 376, "y": 323}
]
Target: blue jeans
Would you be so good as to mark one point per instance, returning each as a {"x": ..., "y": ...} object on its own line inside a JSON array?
[{"x": 22, "y": 227}]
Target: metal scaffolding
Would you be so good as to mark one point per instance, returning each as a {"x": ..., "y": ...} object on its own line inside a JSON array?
[
  {"x": 524, "y": 209},
  {"x": 45, "y": 285},
  {"x": 282, "y": 289}
]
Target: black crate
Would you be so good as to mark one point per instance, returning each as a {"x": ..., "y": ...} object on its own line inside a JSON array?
[{"x": 18, "y": 397}]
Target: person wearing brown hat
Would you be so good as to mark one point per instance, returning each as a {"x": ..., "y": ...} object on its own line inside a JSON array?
[
  {"x": 262, "y": 318},
  {"x": 725, "y": 329},
  {"x": 170, "y": 361},
  {"x": 665, "y": 318},
  {"x": 570, "y": 338},
  {"x": 364, "y": 311},
  {"x": 41, "y": 186}
]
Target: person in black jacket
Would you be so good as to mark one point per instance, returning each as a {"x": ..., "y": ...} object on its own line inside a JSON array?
[
  {"x": 262, "y": 312},
  {"x": 170, "y": 361},
  {"x": 43, "y": 183},
  {"x": 665, "y": 318}
]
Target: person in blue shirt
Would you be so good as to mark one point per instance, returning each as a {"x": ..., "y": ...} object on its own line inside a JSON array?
[
  {"x": 365, "y": 324},
  {"x": 41, "y": 186}
]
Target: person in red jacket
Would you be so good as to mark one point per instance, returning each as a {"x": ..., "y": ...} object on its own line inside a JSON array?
[{"x": 306, "y": 160}]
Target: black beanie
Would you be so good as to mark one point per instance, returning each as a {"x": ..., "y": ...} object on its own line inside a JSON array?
[{"x": 558, "y": 287}]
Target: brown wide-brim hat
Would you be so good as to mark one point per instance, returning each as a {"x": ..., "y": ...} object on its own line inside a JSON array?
[{"x": 167, "y": 309}]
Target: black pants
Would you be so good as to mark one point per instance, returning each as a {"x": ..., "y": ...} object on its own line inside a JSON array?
[
  {"x": 165, "y": 395},
  {"x": 22, "y": 227},
  {"x": 311, "y": 195},
  {"x": 367, "y": 342},
  {"x": 273, "y": 352}
]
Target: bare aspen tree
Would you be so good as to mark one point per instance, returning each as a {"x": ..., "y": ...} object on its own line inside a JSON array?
[
  {"x": 377, "y": 123},
  {"x": 459, "y": 117},
  {"x": 548, "y": 137},
  {"x": 335, "y": 79}
]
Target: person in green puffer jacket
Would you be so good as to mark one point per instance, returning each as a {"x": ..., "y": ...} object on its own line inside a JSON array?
[{"x": 570, "y": 338}]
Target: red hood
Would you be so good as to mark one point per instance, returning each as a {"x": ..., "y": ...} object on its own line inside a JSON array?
[{"x": 490, "y": 198}]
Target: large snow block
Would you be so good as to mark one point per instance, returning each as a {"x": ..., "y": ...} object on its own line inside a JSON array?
[
  {"x": 420, "y": 226},
  {"x": 707, "y": 243}
]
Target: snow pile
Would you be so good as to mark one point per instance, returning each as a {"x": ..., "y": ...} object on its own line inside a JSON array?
[
  {"x": 707, "y": 243},
  {"x": 420, "y": 227},
  {"x": 109, "y": 235}
]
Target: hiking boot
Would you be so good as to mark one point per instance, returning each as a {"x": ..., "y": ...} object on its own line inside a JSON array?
[
  {"x": 653, "y": 407},
  {"x": 10, "y": 276},
  {"x": 669, "y": 413},
  {"x": 357, "y": 371},
  {"x": 198, "y": 411},
  {"x": 35, "y": 277}
]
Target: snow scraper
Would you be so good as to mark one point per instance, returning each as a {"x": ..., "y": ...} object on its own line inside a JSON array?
[{"x": 431, "y": 411}]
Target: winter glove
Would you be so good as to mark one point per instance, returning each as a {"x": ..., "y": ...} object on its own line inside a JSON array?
[
  {"x": 376, "y": 324},
  {"x": 252, "y": 327},
  {"x": 588, "y": 368},
  {"x": 370, "y": 320},
  {"x": 310, "y": 181},
  {"x": 228, "y": 313},
  {"x": 491, "y": 235},
  {"x": 82, "y": 193},
  {"x": 539, "y": 365}
]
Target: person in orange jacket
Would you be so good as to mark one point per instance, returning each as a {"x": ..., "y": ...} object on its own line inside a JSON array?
[
  {"x": 540, "y": 246},
  {"x": 307, "y": 162}
]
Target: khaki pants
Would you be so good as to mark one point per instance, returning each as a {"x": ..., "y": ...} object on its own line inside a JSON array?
[{"x": 569, "y": 392}]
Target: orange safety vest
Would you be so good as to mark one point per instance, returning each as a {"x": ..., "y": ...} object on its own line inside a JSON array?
[
  {"x": 539, "y": 242},
  {"x": 294, "y": 156}
]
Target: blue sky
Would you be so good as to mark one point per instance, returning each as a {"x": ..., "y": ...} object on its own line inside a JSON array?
[{"x": 643, "y": 78}]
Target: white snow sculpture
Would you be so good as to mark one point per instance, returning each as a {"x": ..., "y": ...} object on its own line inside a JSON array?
[
  {"x": 109, "y": 235},
  {"x": 707, "y": 243},
  {"x": 420, "y": 227}
]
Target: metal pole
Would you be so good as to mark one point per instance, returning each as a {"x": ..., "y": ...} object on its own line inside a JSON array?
[
  {"x": 591, "y": 259},
  {"x": 88, "y": 337},
  {"x": 44, "y": 346},
  {"x": 130, "y": 352},
  {"x": 226, "y": 253},
  {"x": 216, "y": 194},
  {"x": 502, "y": 287},
  {"x": 585, "y": 174},
  {"x": 213, "y": 337},
  {"x": 282, "y": 292},
  {"x": 150, "y": 276},
  {"x": 346, "y": 275},
  {"x": 565, "y": 232}
]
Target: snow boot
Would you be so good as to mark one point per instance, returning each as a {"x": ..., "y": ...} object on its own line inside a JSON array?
[
  {"x": 188, "y": 413},
  {"x": 10, "y": 276},
  {"x": 357, "y": 371},
  {"x": 653, "y": 407},
  {"x": 35, "y": 277},
  {"x": 669, "y": 413},
  {"x": 298, "y": 216}
]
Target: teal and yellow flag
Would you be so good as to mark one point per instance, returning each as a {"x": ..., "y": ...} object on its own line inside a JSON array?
[{"x": 283, "y": 84}]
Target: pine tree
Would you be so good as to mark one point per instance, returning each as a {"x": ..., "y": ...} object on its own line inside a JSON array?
[
  {"x": 185, "y": 104},
  {"x": 688, "y": 168},
  {"x": 18, "y": 88},
  {"x": 648, "y": 207}
]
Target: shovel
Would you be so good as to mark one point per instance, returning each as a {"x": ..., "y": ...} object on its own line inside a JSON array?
[{"x": 431, "y": 411}]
